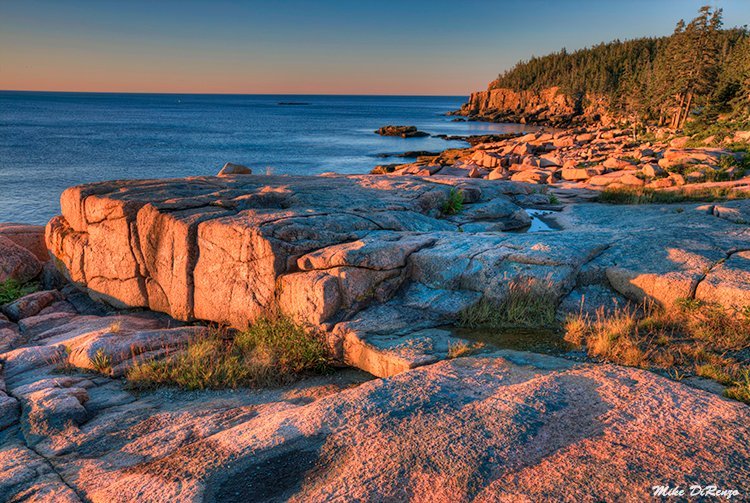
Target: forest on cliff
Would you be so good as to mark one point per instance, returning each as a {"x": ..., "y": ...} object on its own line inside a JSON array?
[{"x": 699, "y": 74}]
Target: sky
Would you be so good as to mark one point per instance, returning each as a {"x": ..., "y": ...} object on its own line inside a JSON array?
[{"x": 308, "y": 47}]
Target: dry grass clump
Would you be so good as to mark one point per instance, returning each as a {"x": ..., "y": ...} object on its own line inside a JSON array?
[
  {"x": 636, "y": 195},
  {"x": 273, "y": 351},
  {"x": 527, "y": 303},
  {"x": 463, "y": 348},
  {"x": 692, "y": 338}
]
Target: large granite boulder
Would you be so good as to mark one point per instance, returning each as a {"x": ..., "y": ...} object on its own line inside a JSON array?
[{"x": 215, "y": 248}]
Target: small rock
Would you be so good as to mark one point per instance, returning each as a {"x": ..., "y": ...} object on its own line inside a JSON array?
[
  {"x": 31, "y": 304},
  {"x": 496, "y": 174},
  {"x": 30, "y": 237},
  {"x": 679, "y": 142},
  {"x": 234, "y": 169},
  {"x": 531, "y": 176},
  {"x": 17, "y": 263},
  {"x": 652, "y": 170},
  {"x": 475, "y": 173}
]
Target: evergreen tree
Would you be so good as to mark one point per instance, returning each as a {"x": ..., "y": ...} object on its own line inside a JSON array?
[{"x": 699, "y": 71}]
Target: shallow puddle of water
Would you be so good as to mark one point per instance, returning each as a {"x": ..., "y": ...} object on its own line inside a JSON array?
[
  {"x": 520, "y": 339},
  {"x": 540, "y": 221}
]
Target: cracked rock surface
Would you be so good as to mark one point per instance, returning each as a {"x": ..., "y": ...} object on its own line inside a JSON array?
[
  {"x": 501, "y": 425},
  {"x": 375, "y": 265},
  {"x": 374, "y": 262}
]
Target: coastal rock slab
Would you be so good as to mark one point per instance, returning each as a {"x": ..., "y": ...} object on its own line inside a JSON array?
[
  {"x": 507, "y": 425},
  {"x": 30, "y": 305}
]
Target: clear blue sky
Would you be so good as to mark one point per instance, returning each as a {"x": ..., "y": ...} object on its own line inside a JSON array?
[{"x": 324, "y": 46}]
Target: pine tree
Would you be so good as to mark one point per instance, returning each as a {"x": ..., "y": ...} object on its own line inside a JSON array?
[{"x": 700, "y": 71}]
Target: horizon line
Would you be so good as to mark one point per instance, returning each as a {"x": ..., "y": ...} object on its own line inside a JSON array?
[{"x": 233, "y": 93}]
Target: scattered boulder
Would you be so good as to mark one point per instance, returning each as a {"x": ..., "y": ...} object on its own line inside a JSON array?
[
  {"x": 652, "y": 170},
  {"x": 17, "y": 263},
  {"x": 31, "y": 304},
  {"x": 27, "y": 236},
  {"x": 402, "y": 131},
  {"x": 531, "y": 176},
  {"x": 234, "y": 169}
]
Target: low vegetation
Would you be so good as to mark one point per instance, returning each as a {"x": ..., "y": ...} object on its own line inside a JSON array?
[
  {"x": 463, "y": 348},
  {"x": 694, "y": 338},
  {"x": 11, "y": 290},
  {"x": 525, "y": 304},
  {"x": 273, "y": 351},
  {"x": 639, "y": 195},
  {"x": 454, "y": 203}
]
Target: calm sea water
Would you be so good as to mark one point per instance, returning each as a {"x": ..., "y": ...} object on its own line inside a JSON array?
[{"x": 50, "y": 141}]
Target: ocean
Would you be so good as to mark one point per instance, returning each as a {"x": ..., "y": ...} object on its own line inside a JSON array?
[{"x": 50, "y": 141}]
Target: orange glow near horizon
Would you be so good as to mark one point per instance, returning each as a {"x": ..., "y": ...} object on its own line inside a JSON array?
[{"x": 440, "y": 47}]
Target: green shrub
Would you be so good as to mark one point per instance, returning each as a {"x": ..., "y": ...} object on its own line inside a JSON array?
[
  {"x": 11, "y": 290},
  {"x": 454, "y": 203}
]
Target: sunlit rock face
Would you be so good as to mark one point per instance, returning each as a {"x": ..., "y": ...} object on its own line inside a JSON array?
[
  {"x": 379, "y": 264},
  {"x": 220, "y": 249}
]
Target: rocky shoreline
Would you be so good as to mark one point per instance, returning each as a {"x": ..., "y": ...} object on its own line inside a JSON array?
[
  {"x": 590, "y": 158},
  {"x": 384, "y": 267}
]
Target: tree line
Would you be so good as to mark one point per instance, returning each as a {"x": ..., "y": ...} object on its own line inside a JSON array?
[{"x": 700, "y": 72}]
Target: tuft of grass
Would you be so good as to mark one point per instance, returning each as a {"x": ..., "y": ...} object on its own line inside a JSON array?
[
  {"x": 527, "y": 303},
  {"x": 463, "y": 348},
  {"x": 454, "y": 204},
  {"x": 102, "y": 362},
  {"x": 115, "y": 326},
  {"x": 634, "y": 195},
  {"x": 740, "y": 390},
  {"x": 553, "y": 199},
  {"x": 714, "y": 372},
  {"x": 693, "y": 337},
  {"x": 274, "y": 350},
  {"x": 11, "y": 290}
]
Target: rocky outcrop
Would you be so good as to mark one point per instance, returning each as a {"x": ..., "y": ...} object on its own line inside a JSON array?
[
  {"x": 234, "y": 169},
  {"x": 171, "y": 245},
  {"x": 383, "y": 270},
  {"x": 547, "y": 107},
  {"x": 374, "y": 262}
]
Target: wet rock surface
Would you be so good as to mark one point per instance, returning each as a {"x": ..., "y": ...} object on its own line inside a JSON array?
[{"x": 402, "y": 131}]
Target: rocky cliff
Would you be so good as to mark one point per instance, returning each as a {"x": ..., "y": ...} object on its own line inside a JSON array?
[{"x": 548, "y": 107}]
